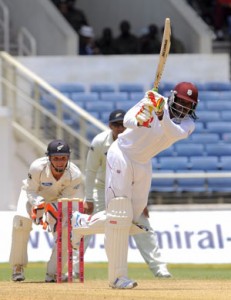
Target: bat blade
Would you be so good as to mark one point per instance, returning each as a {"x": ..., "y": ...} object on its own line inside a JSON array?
[{"x": 164, "y": 51}]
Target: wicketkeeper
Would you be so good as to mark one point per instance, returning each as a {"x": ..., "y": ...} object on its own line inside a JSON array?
[{"x": 49, "y": 178}]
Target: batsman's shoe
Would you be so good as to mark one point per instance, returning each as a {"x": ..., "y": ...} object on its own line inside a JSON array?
[
  {"x": 123, "y": 283},
  {"x": 53, "y": 278},
  {"x": 18, "y": 273}
]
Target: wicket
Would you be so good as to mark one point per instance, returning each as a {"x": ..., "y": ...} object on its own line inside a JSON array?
[{"x": 69, "y": 243}]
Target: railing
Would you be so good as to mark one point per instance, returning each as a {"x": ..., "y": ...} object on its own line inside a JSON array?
[
  {"x": 26, "y": 43},
  {"x": 5, "y": 26},
  {"x": 40, "y": 113}
]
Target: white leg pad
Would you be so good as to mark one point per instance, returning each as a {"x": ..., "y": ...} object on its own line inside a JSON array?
[
  {"x": 20, "y": 236},
  {"x": 118, "y": 222}
]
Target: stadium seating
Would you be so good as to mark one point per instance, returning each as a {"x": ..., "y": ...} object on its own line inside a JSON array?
[
  {"x": 221, "y": 149},
  {"x": 209, "y": 116},
  {"x": 173, "y": 163},
  {"x": 102, "y": 87},
  {"x": 114, "y": 97},
  {"x": 196, "y": 184},
  {"x": 205, "y": 138},
  {"x": 207, "y": 163},
  {"x": 131, "y": 87},
  {"x": 163, "y": 184},
  {"x": 69, "y": 87},
  {"x": 189, "y": 149},
  {"x": 225, "y": 163},
  {"x": 218, "y": 127}
]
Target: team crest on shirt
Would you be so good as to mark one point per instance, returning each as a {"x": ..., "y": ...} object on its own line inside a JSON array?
[
  {"x": 46, "y": 183},
  {"x": 29, "y": 176},
  {"x": 92, "y": 148}
]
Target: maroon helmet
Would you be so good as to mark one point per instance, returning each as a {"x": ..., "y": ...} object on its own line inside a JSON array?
[{"x": 183, "y": 91}]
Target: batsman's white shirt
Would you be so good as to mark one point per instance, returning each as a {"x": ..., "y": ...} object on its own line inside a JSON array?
[
  {"x": 41, "y": 184},
  {"x": 129, "y": 169}
]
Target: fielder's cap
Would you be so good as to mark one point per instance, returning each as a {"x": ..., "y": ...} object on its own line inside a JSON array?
[
  {"x": 187, "y": 91},
  {"x": 58, "y": 147},
  {"x": 86, "y": 31},
  {"x": 117, "y": 115}
]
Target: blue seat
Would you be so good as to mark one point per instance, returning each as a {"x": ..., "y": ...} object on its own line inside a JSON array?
[
  {"x": 131, "y": 87},
  {"x": 69, "y": 87},
  {"x": 225, "y": 115},
  {"x": 155, "y": 164},
  {"x": 99, "y": 106},
  {"x": 125, "y": 105},
  {"x": 205, "y": 163},
  {"x": 165, "y": 86},
  {"x": 136, "y": 96},
  {"x": 214, "y": 105},
  {"x": 201, "y": 106},
  {"x": 225, "y": 163},
  {"x": 167, "y": 152},
  {"x": 193, "y": 184},
  {"x": 209, "y": 96},
  {"x": 220, "y": 184},
  {"x": 209, "y": 116},
  {"x": 163, "y": 184},
  {"x": 220, "y": 149},
  {"x": 205, "y": 138},
  {"x": 189, "y": 149},
  {"x": 199, "y": 127},
  {"x": 173, "y": 163},
  {"x": 102, "y": 87},
  {"x": 225, "y": 95},
  {"x": 217, "y": 86},
  {"x": 218, "y": 127},
  {"x": 114, "y": 96},
  {"x": 226, "y": 137},
  {"x": 84, "y": 97}
]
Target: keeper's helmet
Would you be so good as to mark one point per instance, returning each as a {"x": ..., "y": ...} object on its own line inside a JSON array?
[
  {"x": 58, "y": 147},
  {"x": 183, "y": 101}
]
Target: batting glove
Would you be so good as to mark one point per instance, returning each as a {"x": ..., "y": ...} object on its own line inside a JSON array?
[
  {"x": 144, "y": 116},
  {"x": 155, "y": 101}
]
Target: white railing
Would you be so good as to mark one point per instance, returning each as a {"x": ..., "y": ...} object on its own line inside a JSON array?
[
  {"x": 41, "y": 113},
  {"x": 26, "y": 43},
  {"x": 5, "y": 26}
]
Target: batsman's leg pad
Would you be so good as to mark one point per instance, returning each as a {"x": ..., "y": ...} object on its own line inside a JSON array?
[
  {"x": 119, "y": 216},
  {"x": 20, "y": 236}
]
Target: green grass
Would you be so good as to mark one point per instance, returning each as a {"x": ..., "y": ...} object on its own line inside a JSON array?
[{"x": 93, "y": 271}]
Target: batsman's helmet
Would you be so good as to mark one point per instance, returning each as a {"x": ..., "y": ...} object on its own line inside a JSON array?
[
  {"x": 188, "y": 92},
  {"x": 58, "y": 147}
]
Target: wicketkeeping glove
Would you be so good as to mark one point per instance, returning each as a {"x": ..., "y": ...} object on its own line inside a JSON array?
[{"x": 37, "y": 212}]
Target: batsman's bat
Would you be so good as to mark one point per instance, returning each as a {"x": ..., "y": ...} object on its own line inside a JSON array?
[{"x": 164, "y": 51}]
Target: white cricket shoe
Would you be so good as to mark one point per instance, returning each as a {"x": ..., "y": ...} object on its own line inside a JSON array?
[
  {"x": 163, "y": 274},
  {"x": 18, "y": 273},
  {"x": 123, "y": 283},
  {"x": 53, "y": 278}
]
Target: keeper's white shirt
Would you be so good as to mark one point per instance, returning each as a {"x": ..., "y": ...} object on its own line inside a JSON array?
[{"x": 41, "y": 184}]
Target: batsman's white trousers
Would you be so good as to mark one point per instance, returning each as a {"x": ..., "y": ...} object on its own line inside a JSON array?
[{"x": 126, "y": 178}]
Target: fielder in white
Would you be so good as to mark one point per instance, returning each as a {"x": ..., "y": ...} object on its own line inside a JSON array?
[
  {"x": 95, "y": 194},
  {"x": 49, "y": 178}
]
